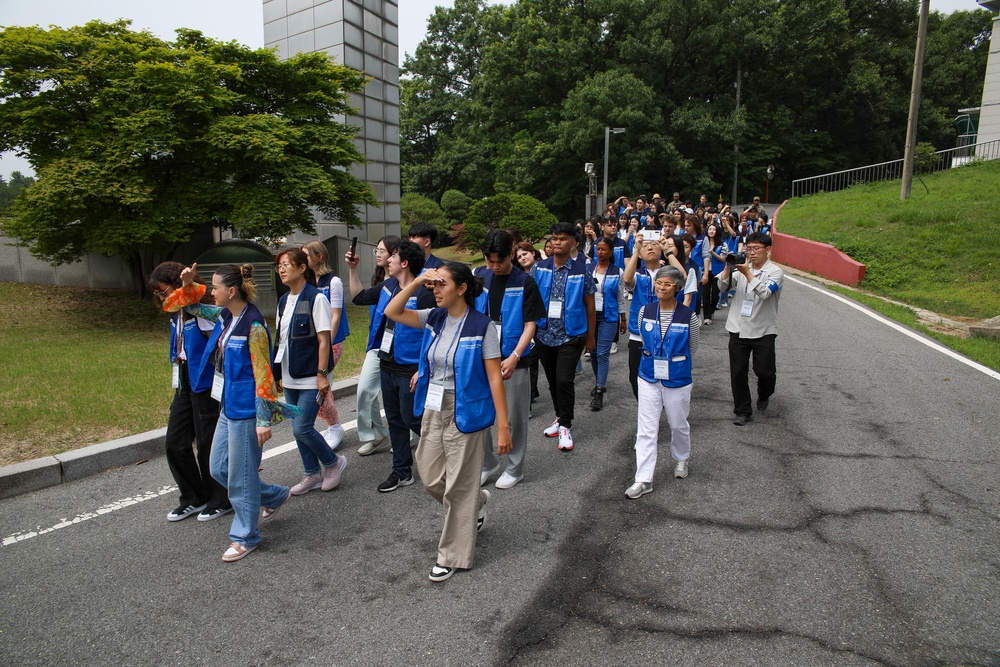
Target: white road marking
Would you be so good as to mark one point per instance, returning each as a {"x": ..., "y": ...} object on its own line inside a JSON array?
[
  {"x": 933, "y": 344},
  {"x": 23, "y": 535}
]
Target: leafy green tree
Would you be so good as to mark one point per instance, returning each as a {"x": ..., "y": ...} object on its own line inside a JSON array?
[
  {"x": 10, "y": 189},
  {"x": 525, "y": 213},
  {"x": 414, "y": 208},
  {"x": 137, "y": 141},
  {"x": 455, "y": 205}
]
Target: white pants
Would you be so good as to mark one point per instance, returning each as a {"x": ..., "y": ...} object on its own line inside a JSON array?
[{"x": 676, "y": 402}]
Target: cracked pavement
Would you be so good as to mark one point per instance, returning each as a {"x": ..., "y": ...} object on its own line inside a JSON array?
[{"x": 854, "y": 523}]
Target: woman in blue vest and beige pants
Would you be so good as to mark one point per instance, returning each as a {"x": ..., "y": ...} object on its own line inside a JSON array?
[
  {"x": 458, "y": 371},
  {"x": 670, "y": 334},
  {"x": 240, "y": 349}
]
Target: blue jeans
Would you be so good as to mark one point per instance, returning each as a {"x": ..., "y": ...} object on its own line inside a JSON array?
[
  {"x": 601, "y": 357},
  {"x": 312, "y": 446},
  {"x": 398, "y": 401},
  {"x": 235, "y": 462}
]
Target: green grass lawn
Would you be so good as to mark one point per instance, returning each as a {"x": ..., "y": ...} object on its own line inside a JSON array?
[
  {"x": 85, "y": 366},
  {"x": 939, "y": 251}
]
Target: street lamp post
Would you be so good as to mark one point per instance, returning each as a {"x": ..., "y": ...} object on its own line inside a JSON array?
[{"x": 607, "y": 145}]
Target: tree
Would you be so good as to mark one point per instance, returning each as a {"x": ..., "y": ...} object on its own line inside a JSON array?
[
  {"x": 414, "y": 208},
  {"x": 10, "y": 189},
  {"x": 526, "y": 214},
  {"x": 456, "y": 206},
  {"x": 136, "y": 141}
]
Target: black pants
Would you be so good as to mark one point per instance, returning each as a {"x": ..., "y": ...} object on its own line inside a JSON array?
[
  {"x": 193, "y": 416},
  {"x": 764, "y": 367},
  {"x": 397, "y": 399},
  {"x": 560, "y": 370},
  {"x": 709, "y": 296},
  {"x": 533, "y": 369},
  {"x": 634, "y": 357}
]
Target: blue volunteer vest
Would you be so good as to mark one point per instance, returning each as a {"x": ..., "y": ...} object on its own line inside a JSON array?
[
  {"x": 675, "y": 348},
  {"x": 511, "y": 308},
  {"x": 302, "y": 355},
  {"x": 406, "y": 340},
  {"x": 343, "y": 330},
  {"x": 239, "y": 392},
  {"x": 610, "y": 292},
  {"x": 619, "y": 253},
  {"x": 641, "y": 295},
  {"x": 574, "y": 312},
  {"x": 474, "y": 409},
  {"x": 195, "y": 343}
]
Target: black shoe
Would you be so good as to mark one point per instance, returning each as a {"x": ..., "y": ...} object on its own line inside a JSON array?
[
  {"x": 212, "y": 513},
  {"x": 597, "y": 402},
  {"x": 743, "y": 420},
  {"x": 440, "y": 572},
  {"x": 184, "y": 511},
  {"x": 394, "y": 481},
  {"x": 761, "y": 404}
]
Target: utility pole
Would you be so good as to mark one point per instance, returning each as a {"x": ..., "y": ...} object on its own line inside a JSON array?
[
  {"x": 736, "y": 145},
  {"x": 607, "y": 147},
  {"x": 911, "y": 124}
]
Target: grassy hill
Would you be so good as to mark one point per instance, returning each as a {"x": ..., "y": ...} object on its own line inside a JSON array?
[{"x": 938, "y": 250}]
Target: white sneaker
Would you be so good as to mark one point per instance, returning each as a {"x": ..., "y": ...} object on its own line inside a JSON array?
[
  {"x": 707, "y": 321},
  {"x": 481, "y": 519},
  {"x": 553, "y": 430},
  {"x": 565, "y": 440},
  {"x": 308, "y": 483},
  {"x": 681, "y": 470},
  {"x": 614, "y": 348},
  {"x": 638, "y": 489},
  {"x": 334, "y": 436},
  {"x": 507, "y": 480},
  {"x": 370, "y": 447},
  {"x": 489, "y": 473}
]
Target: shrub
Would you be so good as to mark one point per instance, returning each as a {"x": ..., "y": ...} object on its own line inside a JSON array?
[{"x": 525, "y": 213}]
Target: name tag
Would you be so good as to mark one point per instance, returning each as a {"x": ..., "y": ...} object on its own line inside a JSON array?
[
  {"x": 218, "y": 381},
  {"x": 599, "y": 300},
  {"x": 386, "y": 341},
  {"x": 661, "y": 369},
  {"x": 280, "y": 354},
  {"x": 435, "y": 396},
  {"x": 555, "y": 309},
  {"x": 747, "y": 309},
  {"x": 175, "y": 380}
]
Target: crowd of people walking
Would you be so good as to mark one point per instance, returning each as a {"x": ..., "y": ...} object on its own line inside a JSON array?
[{"x": 454, "y": 355}]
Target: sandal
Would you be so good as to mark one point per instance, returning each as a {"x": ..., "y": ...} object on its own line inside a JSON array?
[{"x": 236, "y": 551}]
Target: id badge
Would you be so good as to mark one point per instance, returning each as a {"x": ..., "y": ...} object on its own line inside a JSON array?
[
  {"x": 175, "y": 380},
  {"x": 598, "y": 300},
  {"x": 555, "y": 309},
  {"x": 747, "y": 309},
  {"x": 435, "y": 396},
  {"x": 661, "y": 369},
  {"x": 386, "y": 345},
  {"x": 217, "y": 383},
  {"x": 280, "y": 354}
]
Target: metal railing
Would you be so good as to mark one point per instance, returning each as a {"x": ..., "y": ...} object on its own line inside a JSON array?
[{"x": 888, "y": 171}]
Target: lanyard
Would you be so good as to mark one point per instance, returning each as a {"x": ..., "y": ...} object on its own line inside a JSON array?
[
  {"x": 660, "y": 339},
  {"x": 179, "y": 327},
  {"x": 458, "y": 333}
]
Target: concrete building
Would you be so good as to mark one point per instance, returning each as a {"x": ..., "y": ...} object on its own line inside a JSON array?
[
  {"x": 989, "y": 110},
  {"x": 364, "y": 35}
]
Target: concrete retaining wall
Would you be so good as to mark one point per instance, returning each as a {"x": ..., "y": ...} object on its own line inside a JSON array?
[{"x": 819, "y": 258}]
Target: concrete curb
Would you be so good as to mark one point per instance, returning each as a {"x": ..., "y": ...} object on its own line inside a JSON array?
[{"x": 78, "y": 463}]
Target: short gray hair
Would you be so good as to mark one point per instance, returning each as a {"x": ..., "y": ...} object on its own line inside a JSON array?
[{"x": 670, "y": 273}]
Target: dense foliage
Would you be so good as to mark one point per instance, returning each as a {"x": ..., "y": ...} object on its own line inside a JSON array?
[
  {"x": 137, "y": 141},
  {"x": 9, "y": 190},
  {"x": 515, "y": 98},
  {"x": 522, "y": 212}
]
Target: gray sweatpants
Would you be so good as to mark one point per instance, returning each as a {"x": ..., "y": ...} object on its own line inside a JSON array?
[{"x": 518, "y": 390}]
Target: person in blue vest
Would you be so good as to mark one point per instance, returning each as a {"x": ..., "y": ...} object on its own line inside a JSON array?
[
  {"x": 332, "y": 287},
  {"x": 425, "y": 235},
  {"x": 240, "y": 351},
  {"x": 460, "y": 394},
  {"x": 610, "y": 307},
  {"x": 670, "y": 334},
  {"x": 193, "y": 411},
  {"x": 567, "y": 289},
  {"x": 398, "y": 348},
  {"x": 621, "y": 252},
  {"x": 372, "y": 431},
  {"x": 301, "y": 360},
  {"x": 638, "y": 280},
  {"x": 512, "y": 301}
]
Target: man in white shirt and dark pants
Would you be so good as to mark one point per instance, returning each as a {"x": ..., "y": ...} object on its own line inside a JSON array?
[{"x": 752, "y": 324}]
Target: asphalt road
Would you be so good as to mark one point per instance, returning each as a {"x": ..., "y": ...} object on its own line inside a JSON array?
[{"x": 854, "y": 523}]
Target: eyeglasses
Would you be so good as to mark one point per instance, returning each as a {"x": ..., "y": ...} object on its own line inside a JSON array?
[
  {"x": 659, "y": 284},
  {"x": 160, "y": 294},
  {"x": 755, "y": 248},
  {"x": 378, "y": 252},
  {"x": 284, "y": 266}
]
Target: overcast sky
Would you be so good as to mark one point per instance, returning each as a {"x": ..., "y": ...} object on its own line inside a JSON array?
[{"x": 241, "y": 20}]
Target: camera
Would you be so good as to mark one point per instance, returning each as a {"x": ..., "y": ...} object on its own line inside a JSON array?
[
  {"x": 734, "y": 258},
  {"x": 588, "y": 168}
]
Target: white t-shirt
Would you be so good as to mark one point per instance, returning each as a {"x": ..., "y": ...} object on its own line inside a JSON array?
[{"x": 321, "y": 313}]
